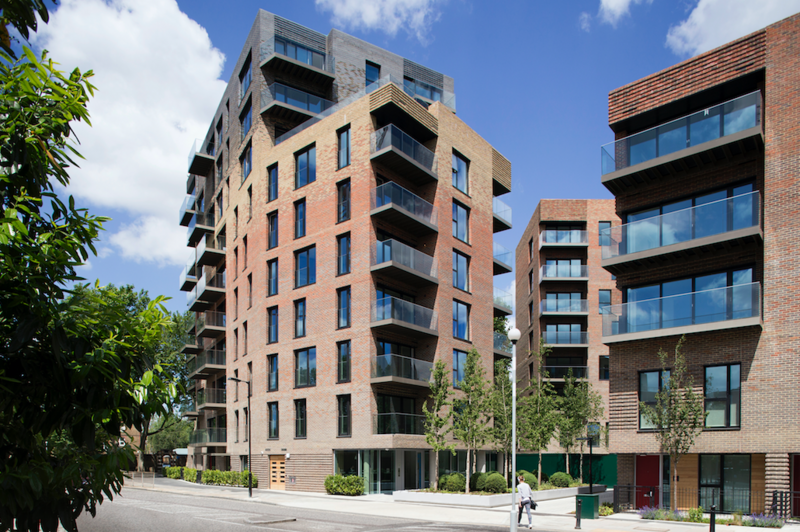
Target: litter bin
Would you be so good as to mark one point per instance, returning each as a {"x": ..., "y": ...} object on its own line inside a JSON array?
[{"x": 590, "y": 505}]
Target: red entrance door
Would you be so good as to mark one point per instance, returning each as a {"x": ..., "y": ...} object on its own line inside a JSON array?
[
  {"x": 648, "y": 479},
  {"x": 796, "y": 485}
]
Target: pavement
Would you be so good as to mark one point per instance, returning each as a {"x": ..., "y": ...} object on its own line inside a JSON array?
[{"x": 550, "y": 515}]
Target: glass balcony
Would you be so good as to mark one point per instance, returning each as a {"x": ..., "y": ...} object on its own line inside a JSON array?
[
  {"x": 392, "y": 365},
  {"x": 503, "y": 299},
  {"x": 298, "y": 53},
  {"x": 277, "y": 92},
  {"x": 698, "y": 128},
  {"x": 211, "y": 357},
  {"x": 211, "y": 250},
  {"x": 702, "y": 221},
  {"x": 502, "y": 343},
  {"x": 394, "y": 251},
  {"x": 392, "y": 308},
  {"x": 503, "y": 259},
  {"x": 190, "y": 409},
  {"x": 399, "y": 152},
  {"x": 502, "y": 215},
  {"x": 399, "y": 206},
  {"x": 564, "y": 306},
  {"x": 208, "y": 436},
  {"x": 211, "y": 286},
  {"x": 563, "y": 271},
  {"x": 398, "y": 424},
  {"x": 563, "y": 237},
  {"x": 201, "y": 157},
  {"x": 565, "y": 337},
  {"x": 187, "y": 278},
  {"x": 716, "y": 306},
  {"x": 208, "y": 319},
  {"x": 187, "y": 209},
  {"x": 199, "y": 225},
  {"x": 214, "y": 396},
  {"x": 561, "y": 372}
]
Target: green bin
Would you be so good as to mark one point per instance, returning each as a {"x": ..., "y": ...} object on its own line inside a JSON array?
[{"x": 590, "y": 505}]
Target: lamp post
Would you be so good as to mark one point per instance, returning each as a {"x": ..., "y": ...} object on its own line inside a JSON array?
[
  {"x": 514, "y": 335},
  {"x": 249, "y": 439}
]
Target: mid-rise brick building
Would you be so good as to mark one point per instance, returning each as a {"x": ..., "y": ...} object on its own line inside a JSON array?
[
  {"x": 341, "y": 216},
  {"x": 705, "y": 174}
]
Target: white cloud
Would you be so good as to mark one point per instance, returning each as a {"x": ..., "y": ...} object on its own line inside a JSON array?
[
  {"x": 715, "y": 22},
  {"x": 585, "y": 21},
  {"x": 157, "y": 76},
  {"x": 413, "y": 16},
  {"x": 611, "y": 11}
]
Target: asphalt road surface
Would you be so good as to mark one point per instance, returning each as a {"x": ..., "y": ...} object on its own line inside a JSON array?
[{"x": 144, "y": 511}]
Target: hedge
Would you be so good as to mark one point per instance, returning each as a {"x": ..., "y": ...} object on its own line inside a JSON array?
[
  {"x": 227, "y": 478},
  {"x": 189, "y": 474},
  {"x": 560, "y": 480},
  {"x": 350, "y": 485},
  {"x": 173, "y": 472}
]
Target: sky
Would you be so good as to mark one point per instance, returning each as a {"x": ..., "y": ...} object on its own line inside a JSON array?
[{"x": 531, "y": 77}]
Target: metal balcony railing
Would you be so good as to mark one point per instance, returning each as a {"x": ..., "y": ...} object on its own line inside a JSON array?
[
  {"x": 502, "y": 254},
  {"x": 389, "y": 308},
  {"x": 202, "y": 436},
  {"x": 501, "y": 210},
  {"x": 563, "y": 236},
  {"x": 393, "y": 194},
  {"x": 294, "y": 97},
  {"x": 565, "y": 337},
  {"x": 392, "y": 365},
  {"x": 564, "y": 306},
  {"x": 211, "y": 396},
  {"x": 503, "y": 298},
  {"x": 502, "y": 343},
  {"x": 398, "y": 424},
  {"x": 559, "y": 271},
  {"x": 392, "y": 250},
  {"x": 561, "y": 372},
  {"x": 392, "y": 135}
]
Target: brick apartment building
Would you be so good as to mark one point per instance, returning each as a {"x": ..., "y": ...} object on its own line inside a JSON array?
[
  {"x": 704, "y": 170},
  {"x": 341, "y": 217},
  {"x": 561, "y": 288}
]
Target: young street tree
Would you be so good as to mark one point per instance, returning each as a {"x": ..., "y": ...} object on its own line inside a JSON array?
[
  {"x": 677, "y": 415},
  {"x": 580, "y": 405},
  {"x": 500, "y": 405},
  {"x": 471, "y": 423},
  {"x": 437, "y": 418}
]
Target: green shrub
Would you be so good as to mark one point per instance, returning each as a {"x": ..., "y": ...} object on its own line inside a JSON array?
[
  {"x": 189, "y": 474},
  {"x": 172, "y": 472},
  {"x": 227, "y": 478},
  {"x": 475, "y": 479},
  {"x": 456, "y": 482},
  {"x": 530, "y": 478},
  {"x": 481, "y": 484},
  {"x": 496, "y": 483},
  {"x": 545, "y": 477},
  {"x": 695, "y": 515},
  {"x": 443, "y": 482},
  {"x": 560, "y": 480},
  {"x": 606, "y": 509},
  {"x": 350, "y": 485}
]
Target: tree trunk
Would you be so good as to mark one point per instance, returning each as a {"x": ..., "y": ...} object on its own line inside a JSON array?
[
  {"x": 673, "y": 503},
  {"x": 142, "y": 443},
  {"x": 580, "y": 471},
  {"x": 435, "y": 470},
  {"x": 540, "y": 468},
  {"x": 469, "y": 469},
  {"x": 566, "y": 461}
]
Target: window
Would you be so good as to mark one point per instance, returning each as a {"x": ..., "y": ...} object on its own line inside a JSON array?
[
  {"x": 250, "y": 290},
  {"x": 460, "y": 271},
  {"x": 650, "y": 383},
  {"x": 236, "y": 389},
  {"x": 344, "y": 414},
  {"x": 459, "y": 173},
  {"x": 300, "y": 218},
  {"x": 604, "y": 368},
  {"x": 236, "y": 436},
  {"x": 343, "y": 254},
  {"x": 299, "y": 52},
  {"x": 272, "y": 409},
  {"x": 272, "y": 277},
  {"x": 246, "y": 120},
  {"x": 272, "y": 325},
  {"x": 562, "y": 302},
  {"x": 246, "y": 161},
  {"x": 305, "y": 367},
  {"x": 460, "y": 222},
  {"x": 299, "y": 318},
  {"x": 272, "y": 230},
  {"x": 459, "y": 362},
  {"x": 373, "y": 73},
  {"x": 725, "y": 481},
  {"x": 460, "y": 320},
  {"x": 235, "y": 223},
  {"x": 305, "y": 267},
  {"x": 244, "y": 338},
  {"x": 343, "y": 201},
  {"x": 249, "y": 203},
  {"x": 272, "y": 373},
  {"x": 300, "y": 418},
  {"x": 604, "y": 296},
  {"x": 343, "y": 306},
  {"x": 235, "y": 304},
  {"x": 272, "y": 183},
  {"x": 245, "y": 76},
  {"x": 723, "y": 395},
  {"x": 244, "y": 252},
  {"x": 220, "y": 204},
  {"x": 344, "y": 147},
  {"x": 604, "y": 230},
  {"x": 306, "y": 167},
  {"x": 343, "y": 361}
]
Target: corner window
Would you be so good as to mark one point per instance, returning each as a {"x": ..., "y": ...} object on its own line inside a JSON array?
[
  {"x": 460, "y": 173},
  {"x": 306, "y": 167},
  {"x": 300, "y": 418},
  {"x": 272, "y": 373},
  {"x": 723, "y": 395},
  {"x": 343, "y": 361},
  {"x": 650, "y": 383},
  {"x": 460, "y": 222},
  {"x": 305, "y": 270},
  {"x": 460, "y": 271},
  {"x": 460, "y": 320},
  {"x": 305, "y": 367},
  {"x": 299, "y": 318},
  {"x": 272, "y": 325},
  {"x": 344, "y": 147},
  {"x": 272, "y": 183},
  {"x": 272, "y": 409},
  {"x": 343, "y": 201},
  {"x": 343, "y": 404},
  {"x": 459, "y": 362}
]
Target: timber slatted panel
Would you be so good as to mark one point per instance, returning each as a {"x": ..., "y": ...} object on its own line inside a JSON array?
[
  {"x": 392, "y": 94},
  {"x": 688, "y": 471},
  {"x": 501, "y": 169},
  {"x": 624, "y": 411},
  {"x": 758, "y": 481},
  {"x": 309, "y": 471}
]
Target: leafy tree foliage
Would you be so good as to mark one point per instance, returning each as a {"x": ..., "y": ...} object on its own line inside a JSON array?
[
  {"x": 21, "y": 14},
  {"x": 500, "y": 406},
  {"x": 165, "y": 436},
  {"x": 438, "y": 416},
  {"x": 471, "y": 420},
  {"x": 580, "y": 405}
]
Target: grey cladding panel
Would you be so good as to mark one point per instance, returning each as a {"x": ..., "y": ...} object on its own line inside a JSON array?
[
  {"x": 421, "y": 73},
  {"x": 299, "y": 34}
]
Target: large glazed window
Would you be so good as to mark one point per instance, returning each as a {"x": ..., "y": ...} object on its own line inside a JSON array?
[{"x": 723, "y": 395}]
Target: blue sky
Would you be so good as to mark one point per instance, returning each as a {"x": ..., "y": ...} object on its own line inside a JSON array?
[{"x": 531, "y": 77}]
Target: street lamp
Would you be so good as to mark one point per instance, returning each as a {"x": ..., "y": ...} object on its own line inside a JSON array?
[
  {"x": 514, "y": 335},
  {"x": 249, "y": 439}
]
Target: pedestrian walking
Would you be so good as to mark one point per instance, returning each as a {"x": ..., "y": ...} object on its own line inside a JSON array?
[{"x": 525, "y": 500}]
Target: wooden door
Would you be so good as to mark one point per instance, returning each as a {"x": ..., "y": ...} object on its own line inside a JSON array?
[
  {"x": 648, "y": 479},
  {"x": 277, "y": 472}
]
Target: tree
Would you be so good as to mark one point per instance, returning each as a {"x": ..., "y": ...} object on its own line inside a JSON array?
[
  {"x": 538, "y": 410},
  {"x": 500, "y": 406},
  {"x": 471, "y": 424},
  {"x": 165, "y": 437},
  {"x": 678, "y": 415},
  {"x": 22, "y": 15},
  {"x": 437, "y": 418},
  {"x": 579, "y": 406},
  {"x": 501, "y": 325}
]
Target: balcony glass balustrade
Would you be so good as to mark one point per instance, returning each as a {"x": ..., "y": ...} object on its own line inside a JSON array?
[
  {"x": 185, "y": 276},
  {"x": 563, "y": 271},
  {"x": 398, "y": 424},
  {"x": 561, "y": 372},
  {"x": 215, "y": 396},
  {"x": 393, "y": 194},
  {"x": 201, "y": 148},
  {"x": 564, "y": 306},
  {"x": 191, "y": 296},
  {"x": 211, "y": 280},
  {"x": 718, "y": 305},
  {"x": 392, "y": 250},
  {"x": 501, "y": 254},
  {"x": 299, "y": 53},
  {"x": 503, "y": 298},
  {"x": 698, "y": 128},
  {"x": 277, "y": 92},
  {"x": 186, "y": 206},
  {"x": 211, "y": 357},
  {"x": 392, "y": 365},
  {"x": 393, "y": 136},
  {"x": 210, "y": 243},
  {"x": 501, "y": 210},
  {"x": 565, "y": 337},
  {"x": 563, "y": 236},
  {"x": 210, "y": 318},
  {"x": 203, "y": 436},
  {"x": 502, "y": 343},
  {"x": 392, "y": 308},
  {"x": 714, "y": 218},
  {"x": 199, "y": 219}
]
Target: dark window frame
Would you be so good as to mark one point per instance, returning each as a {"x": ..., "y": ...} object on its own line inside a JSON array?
[
  {"x": 309, "y": 367},
  {"x": 344, "y": 147},
  {"x": 273, "y": 370},
  {"x": 300, "y": 318},
  {"x": 300, "y": 419},
  {"x": 307, "y": 174},
  {"x": 344, "y": 417},
  {"x": 728, "y": 424},
  {"x": 272, "y": 329},
  {"x": 311, "y": 274},
  {"x": 344, "y": 361},
  {"x": 273, "y": 435}
]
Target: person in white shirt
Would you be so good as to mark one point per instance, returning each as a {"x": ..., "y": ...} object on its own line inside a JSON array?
[{"x": 525, "y": 500}]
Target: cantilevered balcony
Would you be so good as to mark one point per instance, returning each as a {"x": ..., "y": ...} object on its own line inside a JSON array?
[
  {"x": 210, "y": 324},
  {"x": 562, "y": 372},
  {"x": 190, "y": 410},
  {"x": 209, "y": 362},
  {"x": 563, "y": 272},
  {"x": 503, "y": 259},
  {"x": 398, "y": 424},
  {"x": 404, "y": 263},
  {"x": 211, "y": 286},
  {"x": 203, "y": 437},
  {"x": 403, "y": 317},
  {"x": 193, "y": 303},
  {"x": 188, "y": 276},
  {"x": 703, "y": 230},
  {"x": 395, "y": 205},
  {"x": 563, "y": 238},
  {"x": 566, "y": 338},
  {"x": 187, "y": 209},
  {"x": 294, "y": 105},
  {"x": 708, "y": 310},
  {"x": 397, "y": 151},
  {"x": 298, "y": 62},
  {"x": 191, "y": 345},
  {"x": 565, "y": 307},
  {"x": 398, "y": 369},
  {"x": 211, "y": 250},
  {"x": 722, "y": 132},
  {"x": 501, "y": 215},
  {"x": 502, "y": 345},
  {"x": 211, "y": 398},
  {"x": 503, "y": 303},
  {"x": 201, "y": 157},
  {"x": 199, "y": 226}
]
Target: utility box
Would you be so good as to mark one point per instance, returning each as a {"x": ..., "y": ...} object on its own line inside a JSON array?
[{"x": 590, "y": 505}]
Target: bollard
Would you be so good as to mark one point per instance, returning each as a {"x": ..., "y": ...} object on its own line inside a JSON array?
[
  {"x": 578, "y": 515},
  {"x": 713, "y": 520}
]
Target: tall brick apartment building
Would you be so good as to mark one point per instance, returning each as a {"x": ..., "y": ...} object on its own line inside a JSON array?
[
  {"x": 341, "y": 218},
  {"x": 561, "y": 288},
  {"x": 705, "y": 174}
]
